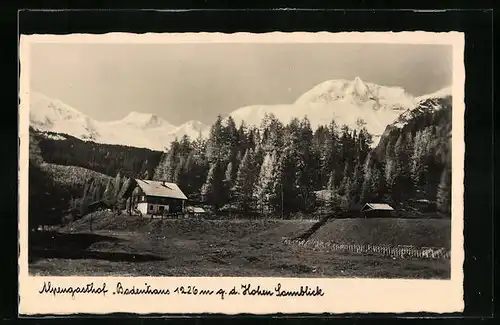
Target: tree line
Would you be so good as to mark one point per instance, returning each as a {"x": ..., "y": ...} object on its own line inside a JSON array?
[{"x": 284, "y": 169}]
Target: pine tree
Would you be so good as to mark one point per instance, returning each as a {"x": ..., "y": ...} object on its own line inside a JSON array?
[
  {"x": 272, "y": 137},
  {"x": 332, "y": 201},
  {"x": 230, "y": 135},
  {"x": 117, "y": 185},
  {"x": 365, "y": 194},
  {"x": 187, "y": 175},
  {"x": 366, "y": 176},
  {"x": 245, "y": 182},
  {"x": 184, "y": 145},
  {"x": 377, "y": 186},
  {"x": 347, "y": 198},
  {"x": 228, "y": 183},
  {"x": 212, "y": 188},
  {"x": 85, "y": 200},
  {"x": 421, "y": 160},
  {"x": 177, "y": 174},
  {"x": 215, "y": 141},
  {"x": 443, "y": 199},
  {"x": 108, "y": 192},
  {"x": 356, "y": 184},
  {"x": 92, "y": 190},
  {"x": 329, "y": 153},
  {"x": 344, "y": 186},
  {"x": 277, "y": 184},
  {"x": 120, "y": 200},
  {"x": 305, "y": 167},
  {"x": 264, "y": 187},
  {"x": 259, "y": 154}
]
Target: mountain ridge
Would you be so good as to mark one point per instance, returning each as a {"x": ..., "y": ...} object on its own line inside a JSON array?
[
  {"x": 355, "y": 103},
  {"x": 345, "y": 101},
  {"x": 142, "y": 130}
]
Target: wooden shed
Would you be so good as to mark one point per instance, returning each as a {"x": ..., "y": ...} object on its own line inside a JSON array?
[
  {"x": 377, "y": 210},
  {"x": 196, "y": 211}
]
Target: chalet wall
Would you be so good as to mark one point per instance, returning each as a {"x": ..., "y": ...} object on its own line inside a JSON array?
[{"x": 148, "y": 209}]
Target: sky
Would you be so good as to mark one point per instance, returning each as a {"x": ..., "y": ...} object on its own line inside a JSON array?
[{"x": 181, "y": 82}]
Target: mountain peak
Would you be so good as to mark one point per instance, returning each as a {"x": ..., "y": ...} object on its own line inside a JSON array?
[
  {"x": 358, "y": 89},
  {"x": 192, "y": 126},
  {"x": 193, "y": 123},
  {"x": 46, "y": 111},
  {"x": 358, "y": 80},
  {"x": 143, "y": 120}
]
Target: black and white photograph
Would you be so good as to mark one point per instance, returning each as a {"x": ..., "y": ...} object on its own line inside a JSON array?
[{"x": 240, "y": 159}]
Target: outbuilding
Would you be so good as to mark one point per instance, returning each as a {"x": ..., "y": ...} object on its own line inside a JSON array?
[
  {"x": 196, "y": 211},
  {"x": 377, "y": 210}
]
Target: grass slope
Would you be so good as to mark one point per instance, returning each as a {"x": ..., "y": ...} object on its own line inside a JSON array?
[
  {"x": 125, "y": 245},
  {"x": 190, "y": 227},
  {"x": 391, "y": 231}
]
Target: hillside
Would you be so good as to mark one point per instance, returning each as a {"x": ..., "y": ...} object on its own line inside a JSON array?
[
  {"x": 53, "y": 188},
  {"x": 103, "y": 158},
  {"x": 72, "y": 178},
  {"x": 418, "y": 147},
  {"x": 417, "y": 232}
]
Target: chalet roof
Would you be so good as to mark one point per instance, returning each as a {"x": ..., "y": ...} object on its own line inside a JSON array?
[
  {"x": 377, "y": 206},
  {"x": 162, "y": 189}
]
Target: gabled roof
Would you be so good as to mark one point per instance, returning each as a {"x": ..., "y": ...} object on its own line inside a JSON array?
[
  {"x": 162, "y": 189},
  {"x": 377, "y": 206}
]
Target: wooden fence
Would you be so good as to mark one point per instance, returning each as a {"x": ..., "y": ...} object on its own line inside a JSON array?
[{"x": 401, "y": 252}]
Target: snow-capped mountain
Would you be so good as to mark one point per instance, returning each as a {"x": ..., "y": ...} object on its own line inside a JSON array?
[
  {"x": 192, "y": 129},
  {"x": 141, "y": 130},
  {"x": 354, "y": 103},
  {"x": 426, "y": 103}
]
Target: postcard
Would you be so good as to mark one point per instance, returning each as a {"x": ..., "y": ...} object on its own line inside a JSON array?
[{"x": 238, "y": 173}]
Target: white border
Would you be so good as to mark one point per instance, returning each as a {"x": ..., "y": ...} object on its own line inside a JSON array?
[{"x": 341, "y": 295}]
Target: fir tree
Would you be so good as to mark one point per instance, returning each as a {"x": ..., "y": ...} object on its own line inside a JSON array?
[
  {"x": 117, "y": 185},
  {"x": 345, "y": 184},
  {"x": 215, "y": 142},
  {"x": 108, "y": 192},
  {"x": 211, "y": 190},
  {"x": 356, "y": 184},
  {"x": 228, "y": 182},
  {"x": 377, "y": 186},
  {"x": 332, "y": 201},
  {"x": 443, "y": 199},
  {"x": 264, "y": 187},
  {"x": 85, "y": 200},
  {"x": 230, "y": 139},
  {"x": 245, "y": 182},
  {"x": 347, "y": 198}
]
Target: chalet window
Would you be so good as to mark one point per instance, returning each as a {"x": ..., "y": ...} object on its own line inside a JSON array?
[{"x": 150, "y": 207}]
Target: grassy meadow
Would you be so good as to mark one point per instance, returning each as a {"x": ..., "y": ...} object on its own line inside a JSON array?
[{"x": 134, "y": 246}]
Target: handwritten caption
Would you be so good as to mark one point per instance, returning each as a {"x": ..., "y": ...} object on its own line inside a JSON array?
[{"x": 122, "y": 289}]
